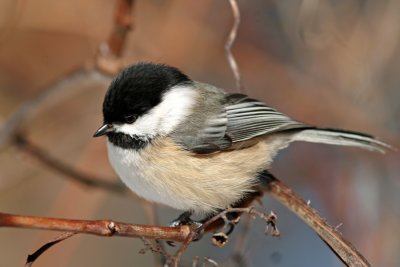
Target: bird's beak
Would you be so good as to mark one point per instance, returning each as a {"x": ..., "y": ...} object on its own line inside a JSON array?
[{"x": 106, "y": 128}]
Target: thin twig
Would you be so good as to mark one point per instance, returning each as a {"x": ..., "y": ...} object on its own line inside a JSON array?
[
  {"x": 174, "y": 260},
  {"x": 32, "y": 257},
  {"x": 249, "y": 210},
  {"x": 209, "y": 260},
  {"x": 229, "y": 43}
]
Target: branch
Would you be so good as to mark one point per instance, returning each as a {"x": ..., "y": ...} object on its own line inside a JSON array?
[
  {"x": 21, "y": 142},
  {"x": 12, "y": 125},
  {"x": 114, "y": 46},
  {"x": 333, "y": 238},
  {"x": 185, "y": 234},
  {"x": 123, "y": 21},
  {"x": 9, "y": 131},
  {"x": 229, "y": 43},
  {"x": 109, "y": 57},
  {"x": 95, "y": 227}
]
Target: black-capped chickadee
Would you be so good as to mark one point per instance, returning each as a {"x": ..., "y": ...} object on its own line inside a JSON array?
[{"x": 194, "y": 147}]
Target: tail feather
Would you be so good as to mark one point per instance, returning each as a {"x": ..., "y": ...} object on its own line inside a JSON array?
[{"x": 341, "y": 137}]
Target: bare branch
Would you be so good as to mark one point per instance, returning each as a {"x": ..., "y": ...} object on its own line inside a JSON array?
[
  {"x": 12, "y": 124},
  {"x": 109, "y": 56},
  {"x": 123, "y": 21},
  {"x": 174, "y": 260},
  {"x": 96, "y": 227},
  {"x": 229, "y": 43},
  {"x": 114, "y": 46},
  {"x": 69, "y": 172}
]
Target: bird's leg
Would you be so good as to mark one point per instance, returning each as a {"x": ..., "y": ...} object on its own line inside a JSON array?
[
  {"x": 184, "y": 219},
  {"x": 232, "y": 218}
]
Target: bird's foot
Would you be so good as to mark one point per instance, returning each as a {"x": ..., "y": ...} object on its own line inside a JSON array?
[{"x": 184, "y": 219}]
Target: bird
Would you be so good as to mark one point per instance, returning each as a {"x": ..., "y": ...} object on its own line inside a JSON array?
[{"x": 194, "y": 147}]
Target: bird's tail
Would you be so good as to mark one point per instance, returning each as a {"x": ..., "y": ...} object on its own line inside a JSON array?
[{"x": 341, "y": 137}]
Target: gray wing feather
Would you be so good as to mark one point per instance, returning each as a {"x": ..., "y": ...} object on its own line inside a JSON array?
[
  {"x": 249, "y": 118},
  {"x": 241, "y": 119}
]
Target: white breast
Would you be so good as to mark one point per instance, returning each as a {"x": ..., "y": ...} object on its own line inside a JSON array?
[
  {"x": 164, "y": 173},
  {"x": 130, "y": 167}
]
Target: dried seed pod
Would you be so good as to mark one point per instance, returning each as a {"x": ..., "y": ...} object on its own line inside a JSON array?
[{"x": 219, "y": 239}]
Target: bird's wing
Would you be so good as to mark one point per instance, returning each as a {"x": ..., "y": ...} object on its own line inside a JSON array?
[
  {"x": 241, "y": 120},
  {"x": 248, "y": 118},
  {"x": 244, "y": 119}
]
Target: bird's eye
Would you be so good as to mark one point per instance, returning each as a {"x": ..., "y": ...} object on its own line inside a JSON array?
[{"x": 130, "y": 118}]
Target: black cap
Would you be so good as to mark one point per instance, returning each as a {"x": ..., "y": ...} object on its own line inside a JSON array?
[{"x": 137, "y": 89}]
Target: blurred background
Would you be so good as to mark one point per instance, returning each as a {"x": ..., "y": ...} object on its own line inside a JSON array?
[{"x": 329, "y": 63}]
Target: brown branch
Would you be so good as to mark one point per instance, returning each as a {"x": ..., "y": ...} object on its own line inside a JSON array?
[
  {"x": 333, "y": 238},
  {"x": 174, "y": 260},
  {"x": 69, "y": 172},
  {"x": 229, "y": 43},
  {"x": 123, "y": 20},
  {"x": 12, "y": 125},
  {"x": 96, "y": 227},
  {"x": 183, "y": 234},
  {"x": 109, "y": 57}
]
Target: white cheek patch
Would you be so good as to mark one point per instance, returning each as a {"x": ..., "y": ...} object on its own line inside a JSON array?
[{"x": 175, "y": 106}]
